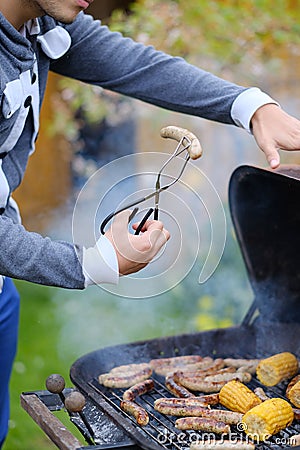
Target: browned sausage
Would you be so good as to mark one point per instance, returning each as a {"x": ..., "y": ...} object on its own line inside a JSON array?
[
  {"x": 292, "y": 383},
  {"x": 125, "y": 379},
  {"x": 210, "y": 399},
  {"x": 188, "y": 407},
  {"x": 191, "y": 401},
  {"x": 294, "y": 440},
  {"x": 176, "y": 388},
  {"x": 129, "y": 368},
  {"x": 175, "y": 360},
  {"x": 165, "y": 366},
  {"x": 201, "y": 385},
  {"x": 138, "y": 389},
  {"x": 296, "y": 413},
  {"x": 241, "y": 362},
  {"x": 179, "y": 410},
  {"x": 135, "y": 410},
  {"x": 202, "y": 424},
  {"x": 261, "y": 394},
  {"x": 203, "y": 368},
  {"x": 221, "y": 415},
  {"x": 244, "y": 377}
]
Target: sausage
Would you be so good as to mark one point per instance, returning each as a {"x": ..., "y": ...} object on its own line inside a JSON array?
[
  {"x": 138, "y": 389},
  {"x": 140, "y": 414},
  {"x": 188, "y": 138},
  {"x": 128, "y": 368},
  {"x": 249, "y": 368},
  {"x": 193, "y": 407},
  {"x": 205, "y": 364},
  {"x": 261, "y": 394},
  {"x": 244, "y": 377},
  {"x": 165, "y": 366},
  {"x": 240, "y": 362},
  {"x": 202, "y": 424},
  {"x": 201, "y": 385},
  {"x": 204, "y": 401},
  {"x": 125, "y": 379},
  {"x": 175, "y": 360},
  {"x": 294, "y": 440},
  {"x": 222, "y": 445},
  {"x": 202, "y": 371},
  {"x": 221, "y": 415},
  {"x": 292, "y": 383},
  {"x": 210, "y": 399},
  {"x": 176, "y": 409},
  {"x": 176, "y": 388},
  {"x": 296, "y": 413}
]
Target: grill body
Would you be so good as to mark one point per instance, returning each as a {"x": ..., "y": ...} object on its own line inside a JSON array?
[
  {"x": 244, "y": 341},
  {"x": 266, "y": 222}
]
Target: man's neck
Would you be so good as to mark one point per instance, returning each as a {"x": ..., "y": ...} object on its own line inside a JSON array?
[{"x": 17, "y": 12}]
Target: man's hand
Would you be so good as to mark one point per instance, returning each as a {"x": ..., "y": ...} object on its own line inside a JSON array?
[
  {"x": 275, "y": 130},
  {"x": 135, "y": 252}
]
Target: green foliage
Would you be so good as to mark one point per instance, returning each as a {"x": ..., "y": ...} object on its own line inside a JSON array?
[
  {"x": 231, "y": 31},
  {"x": 215, "y": 34}
]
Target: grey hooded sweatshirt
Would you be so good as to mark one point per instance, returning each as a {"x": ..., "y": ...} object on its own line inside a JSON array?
[{"x": 87, "y": 51}]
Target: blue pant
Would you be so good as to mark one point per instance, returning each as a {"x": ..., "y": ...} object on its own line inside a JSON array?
[{"x": 9, "y": 323}]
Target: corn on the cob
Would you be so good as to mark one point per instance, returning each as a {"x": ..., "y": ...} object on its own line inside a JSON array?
[
  {"x": 276, "y": 368},
  {"x": 293, "y": 391},
  {"x": 267, "y": 419},
  {"x": 236, "y": 396}
]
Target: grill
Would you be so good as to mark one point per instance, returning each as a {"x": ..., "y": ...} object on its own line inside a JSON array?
[{"x": 266, "y": 222}]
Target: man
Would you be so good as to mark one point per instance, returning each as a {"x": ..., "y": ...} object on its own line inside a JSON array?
[{"x": 41, "y": 35}]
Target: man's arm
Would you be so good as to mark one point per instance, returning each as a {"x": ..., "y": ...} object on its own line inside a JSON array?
[
  {"x": 105, "y": 58},
  {"x": 29, "y": 256}
]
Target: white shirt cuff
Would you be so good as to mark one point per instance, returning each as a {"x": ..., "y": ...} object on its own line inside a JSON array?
[
  {"x": 100, "y": 263},
  {"x": 246, "y": 104}
]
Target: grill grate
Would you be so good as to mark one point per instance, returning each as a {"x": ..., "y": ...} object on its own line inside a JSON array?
[{"x": 161, "y": 429}]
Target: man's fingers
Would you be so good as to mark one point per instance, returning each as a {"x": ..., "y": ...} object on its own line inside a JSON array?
[
  {"x": 121, "y": 220},
  {"x": 273, "y": 157}
]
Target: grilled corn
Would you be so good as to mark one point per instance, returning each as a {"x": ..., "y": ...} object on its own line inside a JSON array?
[
  {"x": 236, "y": 396},
  {"x": 267, "y": 419},
  {"x": 276, "y": 368}
]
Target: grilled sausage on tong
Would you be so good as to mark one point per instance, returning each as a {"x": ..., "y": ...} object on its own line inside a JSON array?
[
  {"x": 135, "y": 410},
  {"x": 138, "y": 389},
  {"x": 202, "y": 424},
  {"x": 125, "y": 376}
]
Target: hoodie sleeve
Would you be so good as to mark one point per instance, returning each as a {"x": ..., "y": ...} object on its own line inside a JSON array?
[
  {"x": 105, "y": 58},
  {"x": 29, "y": 256}
]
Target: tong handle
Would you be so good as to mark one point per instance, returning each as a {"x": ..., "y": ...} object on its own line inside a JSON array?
[{"x": 177, "y": 133}]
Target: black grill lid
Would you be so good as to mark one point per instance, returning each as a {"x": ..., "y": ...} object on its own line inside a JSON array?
[{"x": 265, "y": 211}]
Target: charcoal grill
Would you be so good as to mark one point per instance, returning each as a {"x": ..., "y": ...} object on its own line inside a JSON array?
[{"x": 266, "y": 219}]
